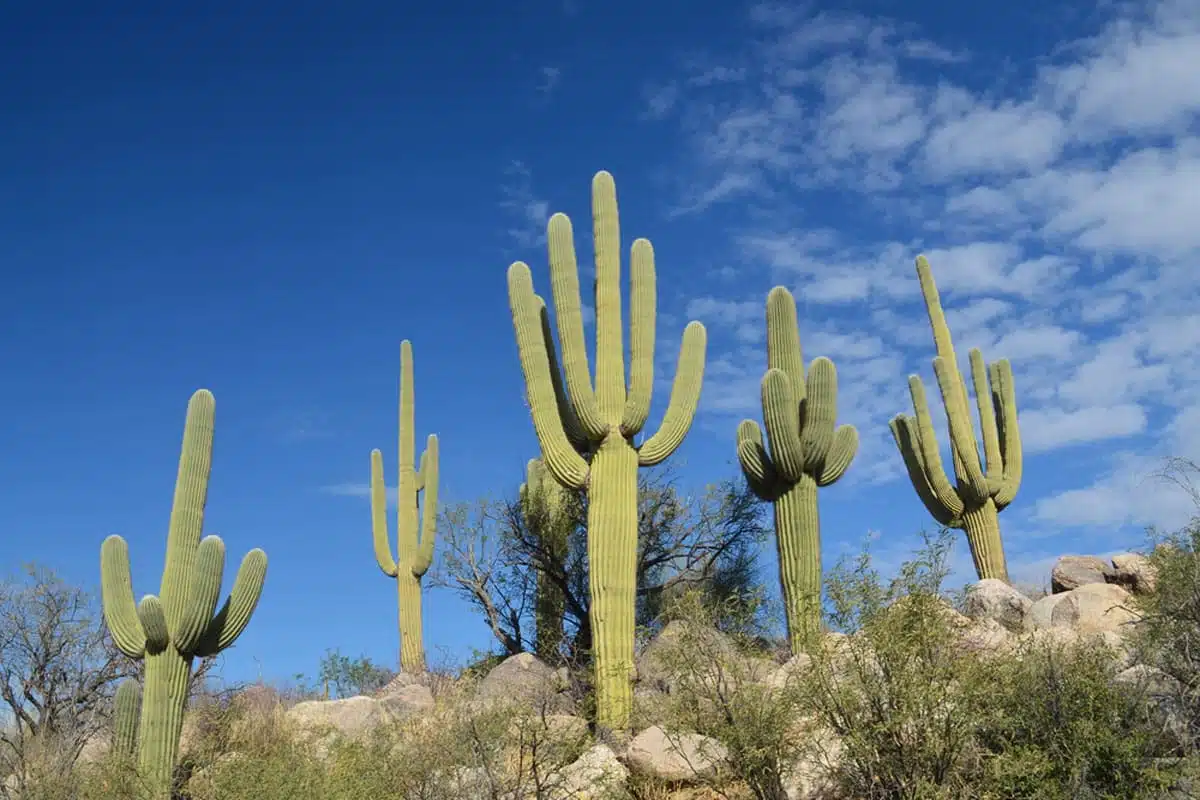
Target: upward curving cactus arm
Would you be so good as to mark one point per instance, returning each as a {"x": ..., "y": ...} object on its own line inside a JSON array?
[
  {"x": 983, "y": 486},
  {"x": 416, "y": 519},
  {"x": 807, "y": 449},
  {"x": 171, "y": 629},
  {"x": 587, "y": 429}
]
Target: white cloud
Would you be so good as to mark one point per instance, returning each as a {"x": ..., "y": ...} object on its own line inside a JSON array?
[{"x": 1058, "y": 208}]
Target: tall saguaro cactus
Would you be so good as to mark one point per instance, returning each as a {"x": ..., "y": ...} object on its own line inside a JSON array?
[
  {"x": 587, "y": 434},
  {"x": 173, "y": 628},
  {"x": 545, "y": 506},
  {"x": 982, "y": 489},
  {"x": 806, "y": 452},
  {"x": 414, "y": 545}
]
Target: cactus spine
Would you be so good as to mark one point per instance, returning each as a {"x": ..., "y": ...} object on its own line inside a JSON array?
[
  {"x": 414, "y": 548},
  {"x": 544, "y": 505},
  {"x": 587, "y": 435},
  {"x": 982, "y": 489},
  {"x": 799, "y": 413},
  {"x": 170, "y": 630}
]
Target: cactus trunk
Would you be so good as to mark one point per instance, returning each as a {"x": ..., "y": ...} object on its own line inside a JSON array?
[
  {"x": 612, "y": 578},
  {"x": 798, "y": 539},
  {"x": 163, "y": 704},
  {"x": 982, "y": 526},
  {"x": 412, "y": 650}
]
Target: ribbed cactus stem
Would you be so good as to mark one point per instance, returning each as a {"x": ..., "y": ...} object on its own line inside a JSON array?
[
  {"x": 983, "y": 486},
  {"x": 169, "y": 633},
  {"x": 981, "y": 524},
  {"x": 587, "y": 431},
  {"x": 806, "y": 451},
  {"x": 125, "y": 720},
  {"x": 416, "y": 520},
  {"x": 798, "y": 542},
  {"x": 545, "y": 508}
]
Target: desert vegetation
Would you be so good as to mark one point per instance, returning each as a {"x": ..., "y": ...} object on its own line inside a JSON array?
[{"x": 635, "y": 651}]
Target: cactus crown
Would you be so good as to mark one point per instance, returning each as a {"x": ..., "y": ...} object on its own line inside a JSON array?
[
  {"x": 414, "y": 548},
  {"x": 799, "y": 413},
  {"x": 998, "y": 475},
  {"x": 182, "y": 616},
  {"x": 574, "y": 417}
]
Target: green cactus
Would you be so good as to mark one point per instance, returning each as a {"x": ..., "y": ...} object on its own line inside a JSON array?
[
  {"x": 172, "y": 629},
  {"x": 125, "y": 720},
  {"x": 799, "y": 413},
  {"x": 982, "y": 489},
  {"x": 544, "y": 505},
  {"x": 414, "y": 548},
  {"x": 587, "y": 435}
]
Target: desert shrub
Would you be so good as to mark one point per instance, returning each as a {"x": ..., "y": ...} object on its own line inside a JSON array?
[
  {"x": 895, "y": 687},
  {"x": 1169, "y": 633},
  {"x": 342, "y": 676},
  {"x": 719, "y": 688},
  {"x": 1055, "y": 726}
]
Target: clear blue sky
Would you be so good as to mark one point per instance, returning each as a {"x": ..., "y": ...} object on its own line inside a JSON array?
[{"x": 263, "y": 199}]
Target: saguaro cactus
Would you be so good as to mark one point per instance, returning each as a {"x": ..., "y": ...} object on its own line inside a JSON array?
[
  {"x": 587, "y": 435},
  {"x": 544, "y": 504},
  {"x": 806, "y": 451},
  {"x": 984, "y": 489},
  {"x": 170, "y": 630},
  {"x": 414, "y": 548}
]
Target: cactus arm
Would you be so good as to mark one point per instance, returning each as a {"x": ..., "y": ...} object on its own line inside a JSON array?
[
  {"x": 116, "y": 591},
  {"x": 972, "y": 481},
  {"x": 642, "y": 310},
  {"x": 419, "y": 478},
  {"x": 781, "y": 416},
  {"x": 564, "y": 287},
  {"x": 994, "y": 470},
  {"x": 207, "y": 574},
  {"x": 783, "y": 339},
  {"x": 187, "y": 507},
  {"x": 429, "y": 469},
  {"x": 685, "y": 397},
  {"x": 569, "y": 467},
  {"x": 820, "y": 414},
  {"x": 841, "y": 453},
  {"x": 905, "y": 430},
  {"x": 756, "y": 464},
  {"x": 576, "y": 435},
  {"x": 126, "y": 705},
  {"x": 610, "y": 334},
  {"x": 379, "y": 525},
  {"x": 1005, "y": 400},
  {"x": 931, "y": 457},
  {"x": 154, "y": 623},
  {"x": 234, "y": 616}
]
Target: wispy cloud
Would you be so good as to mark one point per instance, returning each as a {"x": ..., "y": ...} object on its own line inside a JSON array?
[
  {"x": 527, "y": 212},
  {"x": 361, "y": 491},
  {"x": 548, "y": 80},
  {"x": 1059, "y": 214}
]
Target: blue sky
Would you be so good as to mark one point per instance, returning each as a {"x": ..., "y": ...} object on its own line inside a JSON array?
[{"x": 263, "y": 199}]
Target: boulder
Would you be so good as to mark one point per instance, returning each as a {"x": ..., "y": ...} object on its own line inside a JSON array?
[
  {"x": 527, "y": 679},
  {"x": 1134, "y": 572},
  {"x": 675, "y": 758},
  {"x": 1095, "y": 607},
  {"x": 1041, "y": 613},
  {"x": 992, "y": 599},
  {"x": 1071, "y": 572},
  {"x": 596, "y": 775}
]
